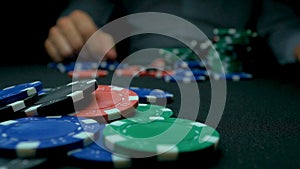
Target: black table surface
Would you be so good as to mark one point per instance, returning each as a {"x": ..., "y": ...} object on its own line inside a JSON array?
[{"x": 259, "y": 128}]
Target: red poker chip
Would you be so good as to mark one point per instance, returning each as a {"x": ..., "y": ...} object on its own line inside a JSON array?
[
  {"x": 131, "y": 71},
  {"x": 110, "y": 103},
  {"x": 160, "y": 73},
  {"x": 87, "y": 73}
]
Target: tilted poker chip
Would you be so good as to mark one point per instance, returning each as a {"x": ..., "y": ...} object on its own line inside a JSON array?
[
  {"x": 62, "y": 100},
  {"x": 153, "y": 96},
  {"x": 169, "y": 139},
  {"x": 19, "y": 92},
  {"x": 109, "y": 103},
  {"x": 46, "y": 136},
  {"x": 13, "y": 110}
]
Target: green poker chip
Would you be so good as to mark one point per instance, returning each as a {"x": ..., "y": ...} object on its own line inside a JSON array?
[
  {"x": 167, "y": 139},
  {"x": 149, "y": 112},
  {"x": 172, "y": 55},
  {"x": 230, "y": 46}
]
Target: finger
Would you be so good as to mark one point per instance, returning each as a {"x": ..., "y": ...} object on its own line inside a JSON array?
[
  {"x": 70, "y": 32},
  {"x": 111, "y": 54},
  {"x": 101, "y": 46},
  {"x": 52, "y": 51},
  {"x": 109, "y": 47},
  {"x": 83, "y": 23},
  {"x": 297, "y": 53},
  {"x": 60, "y": 42}
]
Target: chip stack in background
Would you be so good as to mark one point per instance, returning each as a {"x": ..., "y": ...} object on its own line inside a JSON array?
[
  {"x": 230, "y": 45},
  {"x": 185, "y": 64}
]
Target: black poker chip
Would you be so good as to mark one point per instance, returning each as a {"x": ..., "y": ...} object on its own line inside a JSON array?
[
  {"x": 13, "y": 110},
  {"x": 62, "y": 100}
]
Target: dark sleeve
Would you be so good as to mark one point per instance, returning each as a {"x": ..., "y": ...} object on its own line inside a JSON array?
[
  {"x": 99, "y": 10},
  {"x": 281, "y": 26}
]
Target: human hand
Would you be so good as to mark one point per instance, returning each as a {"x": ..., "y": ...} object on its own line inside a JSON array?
[
  {"x": 69, "y": 35},
  {"x": 297, "y": 53}
]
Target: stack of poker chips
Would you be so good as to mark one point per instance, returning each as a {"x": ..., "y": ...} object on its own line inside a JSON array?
[
  {"x": 88, "y": 124},
  {"x": 229, "y": 46}
]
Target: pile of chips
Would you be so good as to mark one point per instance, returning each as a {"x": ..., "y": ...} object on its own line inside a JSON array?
[
  {"x": 229, "y": 46},
  {"x": 100, "y": 125}
]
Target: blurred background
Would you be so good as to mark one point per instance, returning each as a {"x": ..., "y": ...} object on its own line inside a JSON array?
[{"x": 25, "y": 26}]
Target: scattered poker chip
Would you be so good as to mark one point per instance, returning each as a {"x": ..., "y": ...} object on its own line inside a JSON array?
[
  {"x": 189, "y": 64},
  {"x": 19, "y": 92},
  {"x": 153, "y": 96},
  {"x": 184, "y": 79},
  {"x": 87, "y": 73},
  {"x": 146, "y": 112},
  {"x": 62, "y": 100},
  {"x": 79, "y": 66},
  {"x": 108, "y": 65},
  {"x": 159, "y": 73},
  {"x": 131, "y": 71},
  {"x": 62, "y": 67},
  {"x": 11, "y": 111},
  {"x": 233, "y": 76},
  {"x": 158, "y": 63},
  {"x": 97, "y": 155},
  {"x": 171, "y": 139},
  {"x": 19, "y": 163},
  {"x": 110, "y": 103},
  {"x": 46, "y": 136},
  {"x": 190, "y": 72}
]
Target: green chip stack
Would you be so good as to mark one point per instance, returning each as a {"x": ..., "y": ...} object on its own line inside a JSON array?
[
  {"x": 229, "y": 45},
  {"x": 172, "y": 55}
]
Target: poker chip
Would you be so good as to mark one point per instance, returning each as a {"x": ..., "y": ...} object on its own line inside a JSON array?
[
  {"x": 233, "y": 76},
  {"x": 46, "y": 136},
  {"x": 19, "y": 92},
  {"x": 171, "y": 139},
  {"x": 109, "y": 103},
  {"x": 159, "y": 73},
  {"x": 146, "y": 112},
  {"x": 130, "y": 71},
  {"x": 11, "y": 111},
  {"x": 44, "y": 91},
  {"x": 62, "y": 67},
  {"x": 87, "y": 73},
  {"x": 190, "y": 72},
  {"x": 95, "y": 155},
  {"x": 108, "y": 65},
  {"x": 192, "y": 64},
  {"x": 6, "y": 163},
  {"x": 230, "y": 46},
  {"x": 153, "y": 96},
  {"x": 62, "y": 100},
  {"x": 184, "y": 79}
]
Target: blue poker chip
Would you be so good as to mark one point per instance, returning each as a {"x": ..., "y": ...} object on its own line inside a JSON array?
[
  {"x": 67, "y": 67},
  {"x": 46, "y": 136},
  {"x": 108, "y": 65},
  {"x": 233, "y": 76},
  {"x": 189, "y": 64},
  {"x": 86, "y": 66},
  {"x": 44, "y": 91},
  {"x": 62, "y": 67},
  {"x": 19, "y": 92},
  {"x": 153, "y": 96},
  {"x": 190, "y": 72},
  {"x": 95, "y": 154},
  {"x": 184, "y": 79}
]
